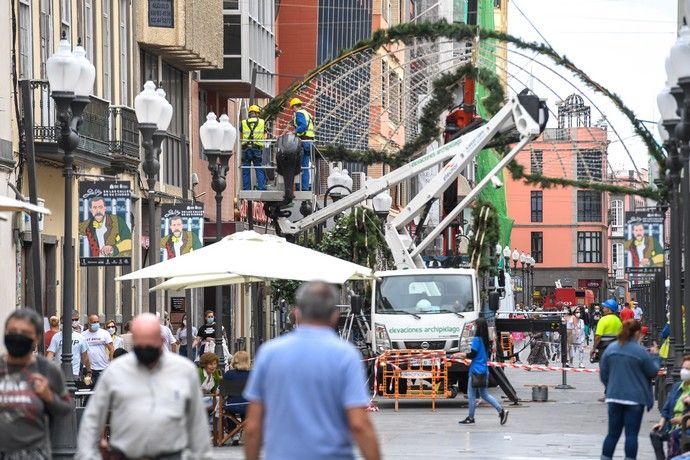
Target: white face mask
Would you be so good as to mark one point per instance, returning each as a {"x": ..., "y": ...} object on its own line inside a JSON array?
[
  {"x": 685, "y": 375},
  {"x": 111, "y": 330}
]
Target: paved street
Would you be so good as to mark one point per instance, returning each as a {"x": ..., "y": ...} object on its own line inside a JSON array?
[{"x": 571, "y": 425}]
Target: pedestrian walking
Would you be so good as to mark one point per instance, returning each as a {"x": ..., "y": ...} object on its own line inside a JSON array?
[
  {"x": 32, "y": 391},
  {"x": 627, "y": 370},
  {"x": 80, "y": 354},
  {"x": 596, "y": 316},
  {"x": 100, "y": 347},
  {"x": 155, "y": 399},
  {"x": 307, "y": 392},
  {"x": 181, "y": 336},
  {"x": 479, "y": 373},
  {"x": 627, "y": 313},
  {"x": 111, "y": 327},
  {"x": 577, "y": 348},
  {"x": 637, "y": 311},
  {"x": 127, "y": 337},
  {"x": 169, "y": 341},
  {"x": 608, "y": 328},
  {"x": 54, "y": 329}
]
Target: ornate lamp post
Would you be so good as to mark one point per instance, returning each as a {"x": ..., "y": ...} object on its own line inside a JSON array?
[
  {"x": 506, "y": 258},
  {"x": 218, "y": 140},
  {"x": 678, "y": 68},
  {"x": 71, "y": 78},
  {"x": 382, "y": 206},
  {"x": 153, "y": 113},
  {"x": 523, "y": 261}
]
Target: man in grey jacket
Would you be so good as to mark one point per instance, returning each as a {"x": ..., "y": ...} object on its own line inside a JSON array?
[{"x": 154, "y": 398}]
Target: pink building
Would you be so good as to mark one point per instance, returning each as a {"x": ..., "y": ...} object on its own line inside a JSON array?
[{"x": 564, "y": 228}]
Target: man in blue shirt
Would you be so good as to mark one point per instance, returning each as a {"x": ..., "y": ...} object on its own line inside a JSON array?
[{"x": 307, "y": 390}]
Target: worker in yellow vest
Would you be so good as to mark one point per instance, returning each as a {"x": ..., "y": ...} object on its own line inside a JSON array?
[
  {"x": 253, "y": 135},
  {"x": 304, "y": 129}
]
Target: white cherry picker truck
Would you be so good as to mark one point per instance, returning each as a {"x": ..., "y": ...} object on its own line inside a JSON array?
[{"x": 414, "y": 306}]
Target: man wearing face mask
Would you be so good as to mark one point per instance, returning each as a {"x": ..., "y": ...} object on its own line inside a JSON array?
[
  {"x": 80, "y": 350},
  {"x": 100, "y": 347},
  {"x": 31, "y": 389},
  {"x": 157, "y": 398}
]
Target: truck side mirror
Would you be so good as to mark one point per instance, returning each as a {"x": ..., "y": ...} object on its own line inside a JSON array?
[
  {"x": 494, "y": 300},
  {"x": 356, "y": 304}
]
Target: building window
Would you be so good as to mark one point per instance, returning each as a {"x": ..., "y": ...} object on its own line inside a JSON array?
[
  {"x": 386, "y": 10},
  {"x": 588, "y": 247},
  {"x": 537, "y": 206},
  {"x": 590, "y": 165},
  {"x": 46, "y": 25},
  {"x": 232, "y": 35},
  {"x": 176, "y": 85},
  {"x": 617, "y": 260},
  {"x": 107, "y": 49},
  {"x": 124, "y": 53},
  {"x": 231, "y": 4},
  {"x": 395, "y": 98},
  {"x": 25, "y": 40},
  {"x": 588, "y": 206},
  {"x": 617, "y": 216},
  {"x": 536, "y": 161},
  {"x": 66, "y": 17},
  {"x": 88, "y": 30},
  {"x": 537, "y": 246}
]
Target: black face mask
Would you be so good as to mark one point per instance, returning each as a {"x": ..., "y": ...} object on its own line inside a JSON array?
[
  {"x": 18, "y": 345},
  {"x": 147, "y": 355}
]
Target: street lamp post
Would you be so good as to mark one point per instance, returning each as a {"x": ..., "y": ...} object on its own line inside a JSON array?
[
  {"x": 679, "y": 69},
  {"x": 516, "y": 257},
  {"x": 523, "y": 261},
  {"x": 382, "y": 206},
  {"x": 218, "y": 140},
  {"x": 71, "y": 78},
  {"x": 154, "y": 114},
  {"x": 506, "y": 259}
]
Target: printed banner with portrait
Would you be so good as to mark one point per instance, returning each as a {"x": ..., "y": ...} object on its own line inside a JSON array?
[
  {"x": 182, "y": 229},
  {"x": 644, "y": 242},
  {"x": 105, "y": 223}
]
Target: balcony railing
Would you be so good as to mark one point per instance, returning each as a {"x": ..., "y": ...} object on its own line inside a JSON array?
[
  {"x": 108, "y": 133},
  {"x": 124, "y": 132}
]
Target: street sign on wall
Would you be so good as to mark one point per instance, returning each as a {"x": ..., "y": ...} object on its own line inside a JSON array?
[
  {"x": 105, "y": 223},
  {"x": 162, "y": 13},
  {"x": 644, "y": 245}
]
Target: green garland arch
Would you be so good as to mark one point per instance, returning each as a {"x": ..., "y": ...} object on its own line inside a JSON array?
[{"x": 443, "y": 87}]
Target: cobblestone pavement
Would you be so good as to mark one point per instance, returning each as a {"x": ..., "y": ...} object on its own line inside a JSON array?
[{"x": 572, "y": 424}]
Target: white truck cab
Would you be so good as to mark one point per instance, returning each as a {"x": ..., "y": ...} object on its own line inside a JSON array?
[{"x": 424, "y": 308}]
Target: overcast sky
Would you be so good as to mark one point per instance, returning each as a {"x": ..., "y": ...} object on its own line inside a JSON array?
[{"x": 622, "y": 44}]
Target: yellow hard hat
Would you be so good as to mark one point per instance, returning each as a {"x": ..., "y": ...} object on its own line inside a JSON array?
[
  {"x": 295, "y": 101},
  {"x": 254, "y": 108}
]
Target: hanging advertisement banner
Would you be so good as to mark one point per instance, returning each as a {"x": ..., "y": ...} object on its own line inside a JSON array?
[
  {"x": 105, "y": 223},
  {"x": 644, "y": 245},
  {"x": 182, "y": 229}
]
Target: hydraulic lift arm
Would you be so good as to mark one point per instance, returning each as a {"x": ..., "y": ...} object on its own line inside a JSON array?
[{"x": 524, "y": 113}]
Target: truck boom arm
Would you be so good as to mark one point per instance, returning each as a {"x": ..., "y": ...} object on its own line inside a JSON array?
[{"x": 524, "y": 112}]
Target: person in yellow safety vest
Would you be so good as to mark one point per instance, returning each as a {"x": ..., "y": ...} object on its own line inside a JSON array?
[
  {"x": 253, "y": 135},
  {"x": 304, "y": 129}
]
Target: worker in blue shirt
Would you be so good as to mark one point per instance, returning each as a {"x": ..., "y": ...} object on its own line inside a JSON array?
[{"x": 304, "y": 129}]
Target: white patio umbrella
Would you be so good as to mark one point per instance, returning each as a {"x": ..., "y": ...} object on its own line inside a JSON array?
[
  {"x": 12, "y": 205},
  {"x": 179, "y": 283},
  {"x": 253, "y": 255}
]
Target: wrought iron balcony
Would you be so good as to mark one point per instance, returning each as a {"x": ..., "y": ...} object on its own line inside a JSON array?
[
  {"x": 124, "y": 138},
  {"x": 94, "y": 149}
]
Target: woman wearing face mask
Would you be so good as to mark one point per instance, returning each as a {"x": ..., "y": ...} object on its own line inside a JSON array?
[
  {"x": 111, "y": 327},
  {"x": 32, "y": 388},
  {"x": 577, "y": 348},
  {"x": 181, "y": 336},
  {"x": 626, "y": 369}
]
